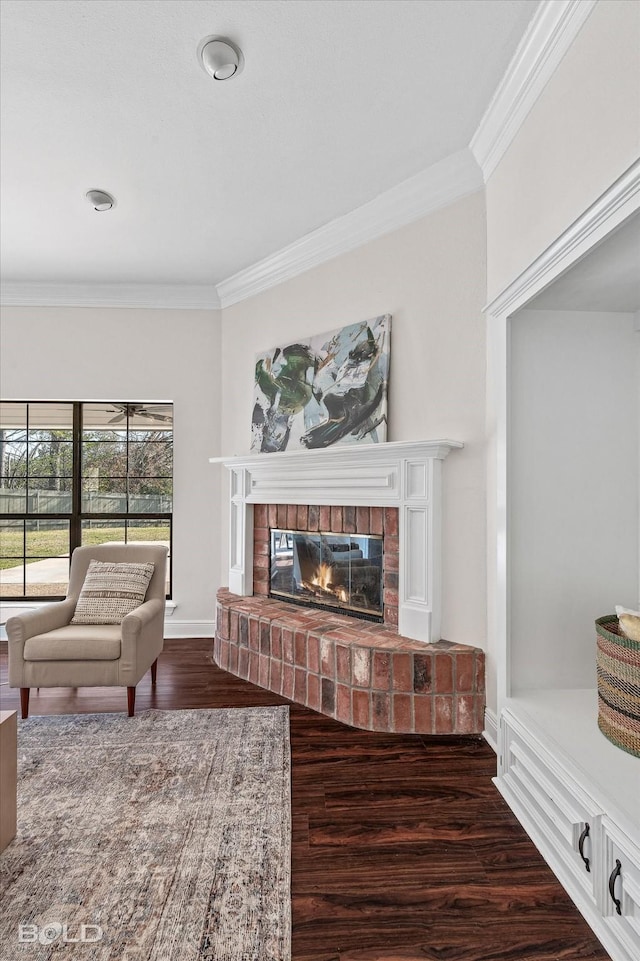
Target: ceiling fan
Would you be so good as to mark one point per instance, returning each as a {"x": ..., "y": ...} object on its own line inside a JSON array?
[{"x": 136, "y": 410}]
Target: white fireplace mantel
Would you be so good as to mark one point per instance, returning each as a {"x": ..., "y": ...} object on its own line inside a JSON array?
[{"x": 403, "y": 474}]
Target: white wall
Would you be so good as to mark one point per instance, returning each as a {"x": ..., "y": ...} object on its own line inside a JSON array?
[
  {"x": 573, "y": 488},
  {"x": 431, "y": 277},
  {"x": 130, "y": 354},
  {"x": 580, "y": 136}
]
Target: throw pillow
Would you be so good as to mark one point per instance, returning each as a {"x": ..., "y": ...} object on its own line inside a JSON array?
[
  {"x": 111, "y": 591},
  {"x": 629, "y": 622}
]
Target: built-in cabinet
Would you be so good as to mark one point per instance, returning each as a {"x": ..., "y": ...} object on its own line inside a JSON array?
[
  {"x": 577, "y": 797},
  {"x": 565, "y": 375}
]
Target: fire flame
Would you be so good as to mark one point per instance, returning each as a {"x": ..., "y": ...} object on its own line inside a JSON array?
[{"x": 322, "y": 579}]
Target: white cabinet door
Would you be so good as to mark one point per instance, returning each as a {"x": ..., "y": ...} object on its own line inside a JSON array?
[
  {"x": 598, "y": 867},
  {"x": 619, "y": 889},
  {"x": 566, "y": 822}
]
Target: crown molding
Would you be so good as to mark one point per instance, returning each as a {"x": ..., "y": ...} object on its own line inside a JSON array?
[
  {"x": 551, "y": 32},
  {"x": 155, "y": 296},
  {"x": 441, "y": 184}
]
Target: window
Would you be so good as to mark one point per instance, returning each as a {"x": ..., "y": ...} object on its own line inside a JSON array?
[{"x": 79, "y": 473}]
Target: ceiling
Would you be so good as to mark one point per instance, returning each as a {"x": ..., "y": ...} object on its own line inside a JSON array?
[
  {"x": 606, "y": 279},
  {"x": 339, "y": 101}
]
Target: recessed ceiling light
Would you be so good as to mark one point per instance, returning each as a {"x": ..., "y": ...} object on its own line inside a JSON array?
[
  {"x": 100, "y": 199},
  {"x": 220, "y": 58}
]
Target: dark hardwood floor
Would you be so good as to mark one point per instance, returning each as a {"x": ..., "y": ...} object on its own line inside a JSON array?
[{"x": 403, "y": 850}]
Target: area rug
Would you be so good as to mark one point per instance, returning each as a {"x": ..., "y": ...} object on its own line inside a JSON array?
[{"x": 163, "y": 837}]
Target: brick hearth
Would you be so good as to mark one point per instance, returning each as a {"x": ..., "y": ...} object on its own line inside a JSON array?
[{"x": 363, "y": 674}]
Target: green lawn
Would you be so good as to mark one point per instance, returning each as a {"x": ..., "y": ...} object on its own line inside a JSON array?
[{"x": 55, "y": 543}]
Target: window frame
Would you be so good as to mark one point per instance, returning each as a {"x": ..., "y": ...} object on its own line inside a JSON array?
[{"x": 77, "y": 516}]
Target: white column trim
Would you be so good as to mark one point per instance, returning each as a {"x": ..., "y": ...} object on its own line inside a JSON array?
[{"x": 240, "y": 533}]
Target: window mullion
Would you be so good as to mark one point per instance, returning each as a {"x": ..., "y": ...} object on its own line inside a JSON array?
[
  {"x": 126, "y": 523},
  {"x": 27, "y": 491},
  {"x": 75, "y": 525}
]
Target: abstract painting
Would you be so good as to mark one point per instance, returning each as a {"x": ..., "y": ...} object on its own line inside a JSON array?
[{"x": 324, "y": 390}]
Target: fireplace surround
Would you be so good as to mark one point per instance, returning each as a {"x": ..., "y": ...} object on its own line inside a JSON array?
[
  {"x": 404, "y": 475},
  {"x": 396, "y": 675}
]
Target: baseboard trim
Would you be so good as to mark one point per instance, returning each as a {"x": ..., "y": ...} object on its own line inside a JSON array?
[
  {"x": 187, "y": 629},
  {"x": 490, "y": 733}
]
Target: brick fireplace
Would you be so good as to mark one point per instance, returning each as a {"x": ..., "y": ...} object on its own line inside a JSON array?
[
  {"x": 398, "y": 675},
  {"x": 337, "y": 519}
]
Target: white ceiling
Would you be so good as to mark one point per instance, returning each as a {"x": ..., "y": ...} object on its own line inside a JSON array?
[
  {"x": 606, "y": 279},
  {"x": 339, "y": 101}
]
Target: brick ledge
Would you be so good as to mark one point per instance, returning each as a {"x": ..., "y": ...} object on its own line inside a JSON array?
[{"x": 357, "y": 672}]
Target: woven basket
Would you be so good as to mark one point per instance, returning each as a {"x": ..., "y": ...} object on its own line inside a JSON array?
[{"x": 618, "y": 662}]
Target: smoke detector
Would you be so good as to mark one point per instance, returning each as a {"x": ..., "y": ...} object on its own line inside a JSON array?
[
  {"x": 100, "y": 199},
  {"x": 220, "y": 58}
]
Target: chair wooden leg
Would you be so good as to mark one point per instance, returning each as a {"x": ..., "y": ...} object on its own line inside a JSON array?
[
  {"x": 131, "y": 700},
  {"x": 154, "y": 672},
  {"x": 24, "y": 701}
]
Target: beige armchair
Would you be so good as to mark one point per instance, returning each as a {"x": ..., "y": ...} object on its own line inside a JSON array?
[{"x": 46, "y": 650}]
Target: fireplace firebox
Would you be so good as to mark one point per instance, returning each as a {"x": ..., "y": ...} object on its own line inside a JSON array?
[{"x": 339, "y": 572}]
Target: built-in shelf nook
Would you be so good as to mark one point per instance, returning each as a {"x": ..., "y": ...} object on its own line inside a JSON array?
[{"x": 563, "y": 531}]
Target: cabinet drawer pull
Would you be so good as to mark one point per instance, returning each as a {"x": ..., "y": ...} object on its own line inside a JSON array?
[
  {"x": 583, "y": 837},
  {"x": 612, "y": 884}
]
